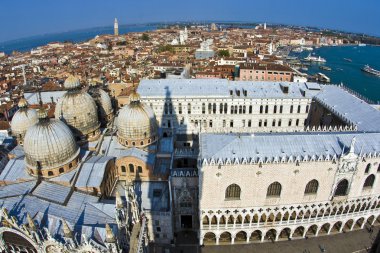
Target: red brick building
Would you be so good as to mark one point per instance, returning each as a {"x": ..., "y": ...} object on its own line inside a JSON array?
[{"x": 265, "y": 72}]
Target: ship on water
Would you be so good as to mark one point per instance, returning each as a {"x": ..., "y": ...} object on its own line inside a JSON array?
[
  {"x": 314, "y": 58},
  {"x": 370, "y": 70},
  {"x": 325, "y": 68}
]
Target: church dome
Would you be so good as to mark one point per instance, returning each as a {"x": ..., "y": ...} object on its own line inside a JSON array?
[
  {"x": 50, "y": 147},
  {"x": 78, "y": 110},
  {"x": 22, "y": 120},
  {"x": 137, "y": 124},
  {"x": 103, "y": 102}
]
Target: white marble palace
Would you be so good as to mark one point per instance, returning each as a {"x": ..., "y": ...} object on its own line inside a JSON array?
[{"x": 276, "y": 160}]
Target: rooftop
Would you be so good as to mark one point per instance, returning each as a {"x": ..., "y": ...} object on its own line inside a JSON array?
[
  {"x": 284, "y": 147},
  {"x": 220, "y": 88}
]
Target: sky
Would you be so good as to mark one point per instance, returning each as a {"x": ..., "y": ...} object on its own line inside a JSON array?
[{"x": 24, "y": 18}]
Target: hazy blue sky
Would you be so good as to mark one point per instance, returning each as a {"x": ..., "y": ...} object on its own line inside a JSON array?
[{"x": 22, "y": 18}]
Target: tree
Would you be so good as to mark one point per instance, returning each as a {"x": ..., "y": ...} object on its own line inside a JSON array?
[
  {"x": 145, "y": 37},
  {"x": 224, "y": 53},
  {"x": 165, "y": 48}
]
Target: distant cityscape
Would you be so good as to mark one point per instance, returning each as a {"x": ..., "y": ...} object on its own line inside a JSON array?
[{"x": 190, "y": 137}]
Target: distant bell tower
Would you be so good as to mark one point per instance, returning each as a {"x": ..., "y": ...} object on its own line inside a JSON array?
[{"x": 116, "y": 28}]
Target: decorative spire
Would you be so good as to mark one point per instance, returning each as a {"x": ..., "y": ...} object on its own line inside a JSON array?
[
  {"x": 42, "y": 114},
  {"x": 352, "y": 146},
  {"x": 66, "y": 230},
  {"x": 134, "y": 98},
  {"x": 31, "y": 224},
  {"x": 22, "y": 103},
  {"x": 119, "y": 201},
  {"x": 110, "y": 238}
]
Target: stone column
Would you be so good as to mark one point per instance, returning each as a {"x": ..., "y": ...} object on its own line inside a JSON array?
[
  {"x": 331, "y": 226},
  {"x": 352, "y": 225},
  {"x": 277, "y": 235},
  {"x": 362, "y": 226},
  {"x": 233, "y": 239},
  {"x": 262, "y": 237},
  {"x": 317, "y": 232},
  {"x": 217, "y": 239},
  {"x": 304, "y": 233}
]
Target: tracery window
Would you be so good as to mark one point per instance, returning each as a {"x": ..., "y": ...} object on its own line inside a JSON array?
[
  {"x": 369, "y": 181},
  {"x": 274, "y": 190},
  {"x": 233, "y": 192},
  {"x": 341, "y": 189},
  {"x": 312, "y": 187}
]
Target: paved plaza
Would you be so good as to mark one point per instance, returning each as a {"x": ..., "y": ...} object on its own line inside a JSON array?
[{"x": 358, "y": 241}]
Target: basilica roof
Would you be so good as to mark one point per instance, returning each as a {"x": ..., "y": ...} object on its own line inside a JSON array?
[
  {"x": 51, "y": 203},
  {"x": 49, "y": 143},
  {"x": 23, "y": 118}
]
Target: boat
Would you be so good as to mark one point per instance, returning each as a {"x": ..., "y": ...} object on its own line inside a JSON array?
[
  {"x": 307, "y": 48},
  {"x": 362, "y": 45},
  {"x": 297, "y": 50},
  {"x": 314, "y": 59},
  {"x": 325, "y": 68},
  {"x": 323, "y": 78},
  {"x": 347, "y": 59},
  {"x": 304, "y": 69},
  {"x": 371, "y": 71}
]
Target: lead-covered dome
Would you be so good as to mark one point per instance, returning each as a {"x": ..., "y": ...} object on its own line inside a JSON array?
[
  {"x": 78, "y": 110},
  {"x": 103, "y": 102},
  {"x": 22, "y": 120},
  {"x": 50, "y": 147},
  {"x": 137, "y": 124}
]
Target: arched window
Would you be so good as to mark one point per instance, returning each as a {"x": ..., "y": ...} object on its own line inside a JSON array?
[
  {"x": 311, "y": 187},
  {"x": 369, "y": 181},
  {"x": 50, "y": 173},
  {"x": 274, "y": 190},
  {"x": 291, "y": 109},
  {"x": 367, "y": 168},
  {"x": 341, "y": 189},
  {"x": 185, "y": 202},
  {"x": 61, "y": 170},
  {"x": 261, "y": 109},
  {"x": 123, "y": 169},
  {"x": 131, "y": 168},
  {"x": 378, "y": 168},
  {"x": 139, "y": 169},
  {"x": 233, "y": 192},
  {"x": 275, "y": 109}
]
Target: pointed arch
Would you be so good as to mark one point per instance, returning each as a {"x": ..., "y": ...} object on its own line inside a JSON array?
[
  {"x": 233, "y": 192},
  {"x": 312, "y": 187}
]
